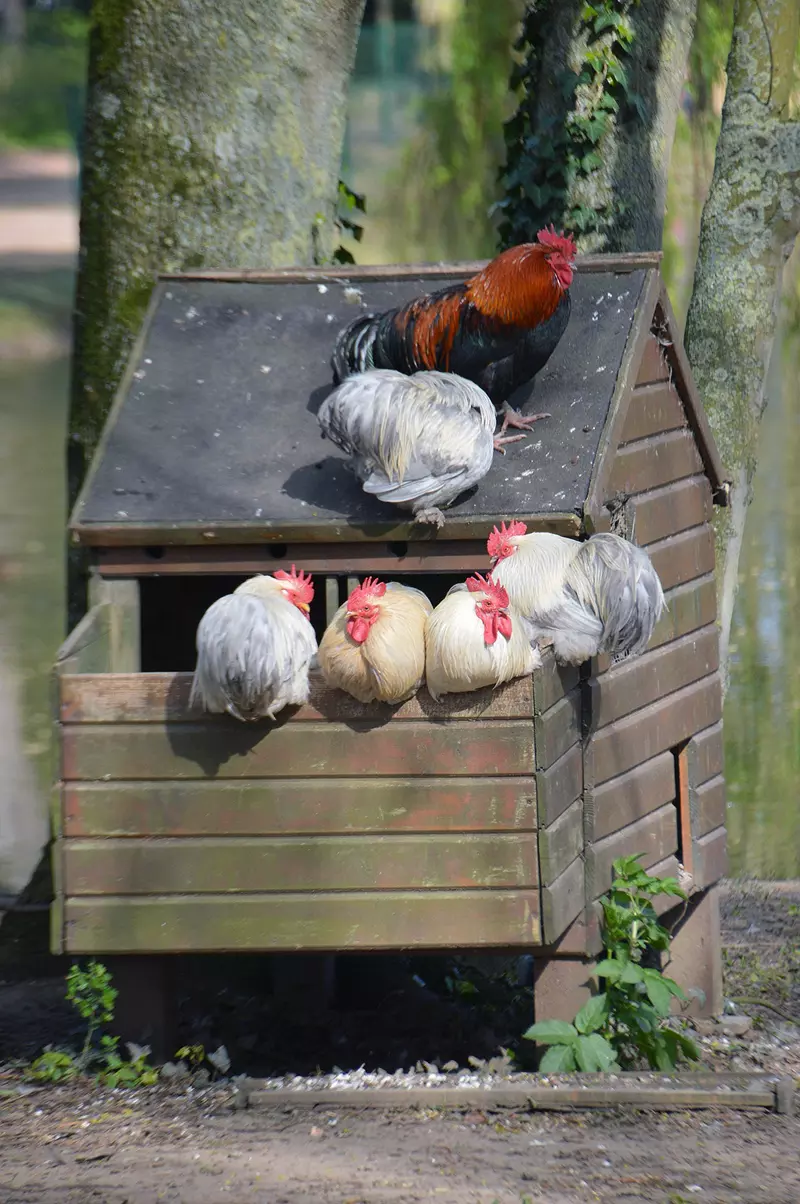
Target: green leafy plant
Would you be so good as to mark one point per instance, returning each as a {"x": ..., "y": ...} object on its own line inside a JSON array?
[
  {"x": 92, "y": 994},
  {"x": 351, "y": 207},
  {"x": 623, "y": 1024}
]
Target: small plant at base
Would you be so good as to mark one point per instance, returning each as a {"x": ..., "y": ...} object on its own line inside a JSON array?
[
  {"x": 91, "y": 993},
  {"x": 624, "y": 1023}
]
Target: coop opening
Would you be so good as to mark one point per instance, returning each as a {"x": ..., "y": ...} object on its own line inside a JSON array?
[{"x": 172, "y": 607}]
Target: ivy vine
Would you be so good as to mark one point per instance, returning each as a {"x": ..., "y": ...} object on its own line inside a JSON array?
[{"x": 551, "y": 160}]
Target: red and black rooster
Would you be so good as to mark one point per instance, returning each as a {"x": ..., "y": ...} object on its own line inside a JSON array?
[{"x": 498, "y": 329}]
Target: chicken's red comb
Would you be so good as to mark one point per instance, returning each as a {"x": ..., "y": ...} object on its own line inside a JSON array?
[
  {"x": 370, "y": 587},
  {"x": 499, "y": 535},
  {"x": 558, "y": 242},
  {"x": 302, "y": 583},
  {"x": 485, "y": 585}
]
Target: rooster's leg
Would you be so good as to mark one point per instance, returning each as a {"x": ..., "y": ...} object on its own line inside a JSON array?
[
  {"x": 500, "y": 440},
  {"x": 431, "y": 515},
  {"x": 515, "y": 420}
]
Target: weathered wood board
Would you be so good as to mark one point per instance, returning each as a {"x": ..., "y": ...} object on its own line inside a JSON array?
[{"x": 321, "y": 921}]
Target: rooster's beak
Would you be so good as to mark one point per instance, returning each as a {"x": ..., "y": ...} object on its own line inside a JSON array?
[{"x": 304, "y": 606}]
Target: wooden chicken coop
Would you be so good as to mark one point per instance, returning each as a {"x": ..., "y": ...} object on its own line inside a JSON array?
[{"x": 488, "y": 820}]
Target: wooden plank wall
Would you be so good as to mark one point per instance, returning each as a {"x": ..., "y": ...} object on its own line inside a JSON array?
[
  {"x": 559, "y": 788},
  {"x": 641, "y": 713},
  {"x": 348, "y": 827}
]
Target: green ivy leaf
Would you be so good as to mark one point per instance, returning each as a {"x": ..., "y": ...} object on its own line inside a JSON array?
[
  {"x": 658, "y": 994},
  {"x": 608, "y": 968},
  {"x": 603, "y": 1051}
]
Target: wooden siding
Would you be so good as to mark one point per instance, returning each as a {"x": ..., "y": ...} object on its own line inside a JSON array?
[
  {"x": 653, "y": 366},
  {"x": 631, "y": 796},
  {"x": 648, "y": 463},
  {"x": 294, "y": 806},
  {"x": 652, "y": 409},
  {"x": 246, "y": 865},
  {"x": 344, "y": 920},
  {"x": 655, "y": 836},
  {"x": 671, "y": 508},
  {"x": 177, "y": 814}
]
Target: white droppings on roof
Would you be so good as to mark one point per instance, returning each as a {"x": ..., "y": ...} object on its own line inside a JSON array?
[
  {"x": 595, "y": 316},
  {"x": 322, "y": 288},
  {"x": 609, "y": 296},
  {"x": 558, "y": 496},
  {"x": 602, "y": 368},
  {"x": 572, "y": 430},
  {"x": 201, "y": 382},
  {"x": 140, "y": 375},
  {"x": 122, "y": 514},
  {"x": 265, "y": 368},
  {"x": 168, "y": 296},
  {"x": 600, "y": 300},
  {"x": 329, "y": 317},
  {"x": 352, "y": 294},
  {"x": 191, "y": 313},
  {"x": 259, "y": 512},
  {"x": 148, "y": 361},
  {"x": 279, "y": 317},
  {"x": 217, "y": 434}
]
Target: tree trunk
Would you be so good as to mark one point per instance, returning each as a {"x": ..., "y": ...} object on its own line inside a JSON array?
[
  {"x": 590, "y": 145},
  {"x": 750, "y": 222},
  {"x": 213, "y": 139}
]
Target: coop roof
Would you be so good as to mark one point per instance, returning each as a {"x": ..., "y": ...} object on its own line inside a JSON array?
[{"x": 213, "y": 433}]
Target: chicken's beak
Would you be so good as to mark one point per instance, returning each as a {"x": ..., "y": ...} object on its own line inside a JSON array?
[{"x": 304, "y": 606}]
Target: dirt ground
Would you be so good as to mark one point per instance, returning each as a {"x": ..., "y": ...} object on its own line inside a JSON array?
[{"x": 187, "y": 1145}]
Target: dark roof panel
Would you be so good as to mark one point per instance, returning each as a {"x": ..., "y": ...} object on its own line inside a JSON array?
[{"x": 218, "y": 423}]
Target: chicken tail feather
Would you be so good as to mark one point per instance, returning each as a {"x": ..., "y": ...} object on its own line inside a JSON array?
[
  {"x": 617, "y": 581},
  {"x": 353, "y": 351}
]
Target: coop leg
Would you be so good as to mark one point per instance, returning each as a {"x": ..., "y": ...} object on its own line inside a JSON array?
[
  {"x": 560, "y": 986},
  {"x": 696, "y": 952},
  {"x": 145, "y": 1009}
]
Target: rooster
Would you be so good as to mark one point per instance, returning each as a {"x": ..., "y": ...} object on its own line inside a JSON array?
[
  {"x": 499, "y": 328},
  {"x": 602, "y": 595},
  {"x": 475, "y": 639},
  {"x": 416, "y": 441},
  {"x": 374, "y": 646},
  {"x": 255, "y": 648}
]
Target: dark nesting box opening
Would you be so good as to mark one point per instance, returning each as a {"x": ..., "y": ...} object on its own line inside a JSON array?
[{"x": 172, "y": 607}]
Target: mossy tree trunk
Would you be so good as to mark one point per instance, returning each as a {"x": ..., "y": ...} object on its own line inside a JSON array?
[
  {"x": 750, "y": 222},
  {"x": 213, "y": 139},
  {"x": 589, "y": 146}
]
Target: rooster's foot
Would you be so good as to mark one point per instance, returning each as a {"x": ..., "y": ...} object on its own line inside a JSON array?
[
  {"x": 499, "y": 440},
  {"x": 517, "y": 422},
  {"x": 431, "y": 515}
]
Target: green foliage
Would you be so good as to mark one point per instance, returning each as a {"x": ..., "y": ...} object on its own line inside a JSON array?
[
  {"x": 548, "y": 157},
  {"x": 623, "y": 1024},
  {"x": 91, "y": 993},
  {"x": 444, "y": 190},
  {"x": 43, "y": 82},
  {"x": 351, "y": 207}
]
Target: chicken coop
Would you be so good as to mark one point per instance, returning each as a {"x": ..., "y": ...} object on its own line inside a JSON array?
[{"x": 484, "y": 821}]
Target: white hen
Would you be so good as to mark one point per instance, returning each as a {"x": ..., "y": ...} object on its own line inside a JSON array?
[
  {"x": 415, "y": 441},
  {"x": 602, "y": 595},
  {"x": 474, "y": 639},
  {"x": 255, "y": 647}
]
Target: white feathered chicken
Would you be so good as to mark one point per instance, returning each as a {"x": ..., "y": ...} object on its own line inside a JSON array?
[
  {"x": 255, "y": 647},
  {"x": 475, "y": 639},
  {"x": 602, "y": 595},
  {"x": 415, "y": 441},
  {"x": 374, "y": 646}
]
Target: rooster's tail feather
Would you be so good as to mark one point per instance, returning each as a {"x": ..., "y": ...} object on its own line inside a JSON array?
[
  {"x": 625, "y": 590},
  {"x": 353, "y": 350}
]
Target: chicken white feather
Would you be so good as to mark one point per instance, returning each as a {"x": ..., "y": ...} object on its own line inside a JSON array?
[
  {"x": 601, "y": 595},
  {"x": 458, "y": 658},
  {"x": 254, "y": 651},
  {"x": 416, "y": 441}
]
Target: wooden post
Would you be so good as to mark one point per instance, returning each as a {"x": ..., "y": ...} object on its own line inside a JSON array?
[
  {"x": 696, "y": 952},
  {"x": 145, "y": 1010},
  {"x": 560, "y": 986}
]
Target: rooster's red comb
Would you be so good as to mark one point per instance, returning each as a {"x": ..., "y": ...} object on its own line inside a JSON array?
[
  {"x": 301, "y": 583},
  {"x": 485, "y": 585},
  {"x": 558, "y": 242},
  {"x": 500, "y": 535},
  {"x": 370, "y": 587}
]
